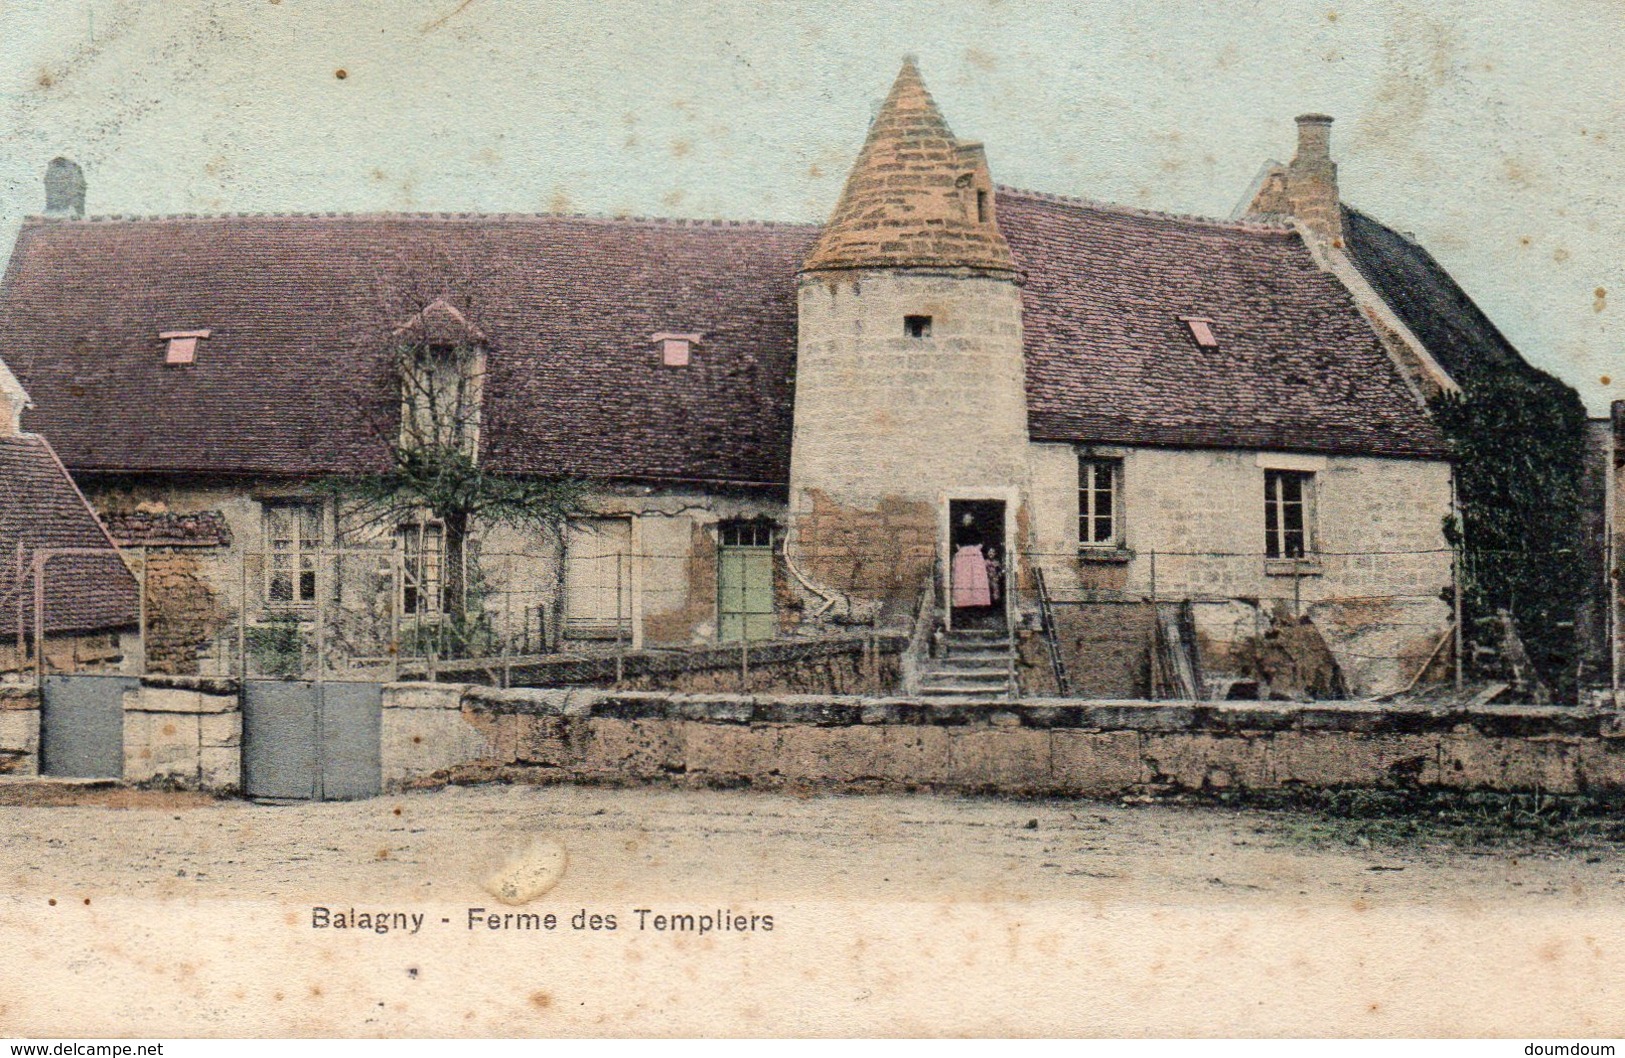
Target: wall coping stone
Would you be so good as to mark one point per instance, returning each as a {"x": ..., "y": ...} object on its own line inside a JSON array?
[
  {"x": 223, "y": 685},
  {"x": 1236, "y": 718}
]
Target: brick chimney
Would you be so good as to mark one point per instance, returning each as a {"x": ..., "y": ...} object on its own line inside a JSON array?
[
  {"x": 64, "y": 189},
  {"x": 1311, "y": 180}
]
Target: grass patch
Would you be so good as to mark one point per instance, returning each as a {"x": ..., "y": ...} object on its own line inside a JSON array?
[{"x": 1422, "y": 818}]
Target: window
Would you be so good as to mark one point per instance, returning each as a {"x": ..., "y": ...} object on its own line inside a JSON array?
[
  {"x": 1099, "y": 514},
  {"x": 676, "y": 349},
  {"x": 917, "y": 326},
  {"x": 598, "y": 574},
  {"x": 1201, "y": 331},
  {"x": 981, "y": 207},
  {"x": 1288, "y": 496},
  {"x": 293, "y": 532},
  {"x": 745, "y": 534},
  {"x": 423, "y": 567},
  {"x": 182, "y": 348},
  {"x": 440, "y": 393}
]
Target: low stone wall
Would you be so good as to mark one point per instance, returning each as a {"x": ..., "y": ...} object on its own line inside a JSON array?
[
  {"x": 19, "y": 729},
  {"x": 184, "y": 730},
  {"x": 437, "y": 733}
]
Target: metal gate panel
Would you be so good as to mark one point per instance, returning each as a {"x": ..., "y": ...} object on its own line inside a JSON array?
[
  {"x": 82, "y": 726},
  {"x": 351, "y": 723},
  {"x": 279, "y": 739},
  {"x": 309, "y": 741}
]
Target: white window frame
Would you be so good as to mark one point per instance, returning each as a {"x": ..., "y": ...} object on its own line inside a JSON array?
[
  {"x": 428, "y": 591},
  {"x": 1089, "y": 502},
  {"x": 301, "y": 555},
  {"x": 1277, "y": 545}
]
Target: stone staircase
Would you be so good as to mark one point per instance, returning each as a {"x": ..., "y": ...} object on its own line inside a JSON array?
[{"x": 970, "y": 663}]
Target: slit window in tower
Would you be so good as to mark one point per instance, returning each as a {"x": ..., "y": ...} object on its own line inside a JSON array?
[
  {"x": 981, "y": 207},
  {"x": 917, "y": 326}
]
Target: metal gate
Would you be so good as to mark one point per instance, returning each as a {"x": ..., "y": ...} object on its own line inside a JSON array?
[
  {"x": 305, "y": 741},
  {"x": 82, "y": 726}
]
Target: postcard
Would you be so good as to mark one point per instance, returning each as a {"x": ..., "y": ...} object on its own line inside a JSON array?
[{"x": 931, "y": 519}]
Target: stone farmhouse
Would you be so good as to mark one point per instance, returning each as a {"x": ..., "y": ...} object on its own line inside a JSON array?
[{"x": 1096, "y": 449}]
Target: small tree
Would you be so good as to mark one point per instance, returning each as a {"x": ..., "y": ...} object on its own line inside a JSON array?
[{"x": 423, "y": 402}]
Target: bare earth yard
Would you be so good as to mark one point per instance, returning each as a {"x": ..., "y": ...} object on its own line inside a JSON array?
[{"x": 145, "y": 913}]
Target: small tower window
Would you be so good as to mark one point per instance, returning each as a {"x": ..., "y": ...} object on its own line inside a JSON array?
[
  {"x": 981, "y": 207},
  {"x": 917, "y": 326}
]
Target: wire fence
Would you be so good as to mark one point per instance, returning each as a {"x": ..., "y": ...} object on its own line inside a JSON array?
[{"x": 603, "y": 612}]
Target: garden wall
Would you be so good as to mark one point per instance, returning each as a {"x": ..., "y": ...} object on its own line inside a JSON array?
[{"x": 439, "y": 733}]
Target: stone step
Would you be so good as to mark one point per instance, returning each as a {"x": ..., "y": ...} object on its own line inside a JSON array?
[
  {"x": 995, "y": 656},
  {"x": 978, "y": 669},
  {"x": 992, "y": 676},
  {"x": 966, "y": 692}
]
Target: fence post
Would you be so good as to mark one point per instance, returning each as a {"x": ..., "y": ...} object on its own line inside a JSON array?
[
  {"x": 40, "y": 558},
  {"x": 1456, "y": 569},
  {"x": 242, "y": 616},
  {"x": 141, "y": 611},
  {"x": 22, "y": 611},
  {"x": 744, "y": 663},
  {"x": 620, "y": 620},
  {"x": 507, "y": 624},
  {"x": 321, "y": 613},
  {"x": 396, "y": 592}
]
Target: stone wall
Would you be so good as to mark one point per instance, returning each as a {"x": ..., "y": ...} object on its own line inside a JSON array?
[
  {"x": 19, "y": 729},
  {"x": 1372, "y": 587},
  {"x": 180, "y": 731},
  {"x": 437, "y": 733},
  {"x": 185, "y": 732},
  {"x": 204, "y": 545}
]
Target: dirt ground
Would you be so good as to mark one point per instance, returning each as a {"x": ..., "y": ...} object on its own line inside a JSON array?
[
  {"x": 910, "y": 914},
  {"x": 743, "y": 845}
]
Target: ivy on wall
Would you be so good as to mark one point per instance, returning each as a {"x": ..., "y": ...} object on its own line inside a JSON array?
[{"x": 1518, "y": 438}]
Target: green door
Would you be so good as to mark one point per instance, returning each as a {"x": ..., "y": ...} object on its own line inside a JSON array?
[{"x": 745, "y": 587}]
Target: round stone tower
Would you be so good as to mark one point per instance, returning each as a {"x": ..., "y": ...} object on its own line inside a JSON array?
[{"x": 910, "y": 407}]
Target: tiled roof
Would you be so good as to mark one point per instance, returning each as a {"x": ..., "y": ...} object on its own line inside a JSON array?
[
  {"x": 570, "y": 307},
  {"x": 298, "y": 319},
  {"x": 911, "y": 197},
  {"x": 1110, "y": 359},
  {"x": 1452, "y": 327},
  {"x": 40, "y": 508}
]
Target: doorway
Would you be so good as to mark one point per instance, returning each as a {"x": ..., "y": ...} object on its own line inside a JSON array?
[
  {"x": 745, "y": 582},
  {"x": 978, "y": 564}
]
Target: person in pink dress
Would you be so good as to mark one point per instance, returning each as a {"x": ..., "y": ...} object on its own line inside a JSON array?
[{"x": 971, "y": 586}]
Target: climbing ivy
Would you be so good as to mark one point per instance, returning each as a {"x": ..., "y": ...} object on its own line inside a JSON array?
[{"x": 1518, "y": 439}]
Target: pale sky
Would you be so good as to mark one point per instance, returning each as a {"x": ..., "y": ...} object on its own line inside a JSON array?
[{"x": 1494, "y": 131}]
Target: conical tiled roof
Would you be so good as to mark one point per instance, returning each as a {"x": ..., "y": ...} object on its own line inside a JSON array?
[{"x": 916, "y": 197}]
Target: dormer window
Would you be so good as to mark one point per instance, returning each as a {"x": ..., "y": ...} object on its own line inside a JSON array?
[
  {"x": 675, "y": 349},
  {"x": 182, "y": 347},
  {"x": 917, "y": 326},
  {"x": 1201, "y": 331}
]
